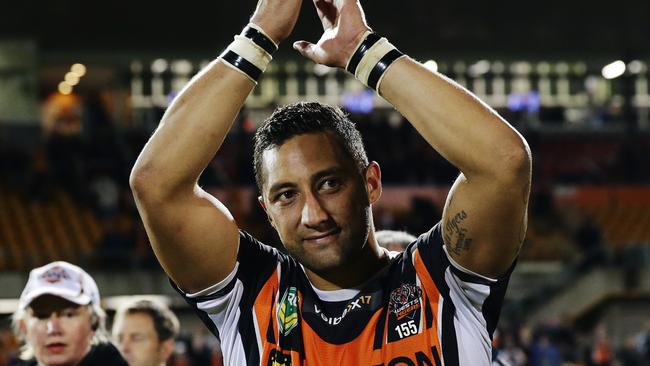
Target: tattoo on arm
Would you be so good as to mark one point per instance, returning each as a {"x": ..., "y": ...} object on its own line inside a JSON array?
[{"x": 456, "y": 234}]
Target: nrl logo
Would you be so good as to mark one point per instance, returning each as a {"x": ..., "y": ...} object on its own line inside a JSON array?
[
  {"x": 54, "y": 275},
  {"x": 404, "y": 300},
  {"x": 288, "y": 311}
]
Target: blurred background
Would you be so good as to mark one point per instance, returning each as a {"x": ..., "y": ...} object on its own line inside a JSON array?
[{"x": 84, "y": 84}]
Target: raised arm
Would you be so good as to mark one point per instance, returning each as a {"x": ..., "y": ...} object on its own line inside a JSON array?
[
  {"x": 194, "y": 235},
  {"x": 485, "y": 216}
]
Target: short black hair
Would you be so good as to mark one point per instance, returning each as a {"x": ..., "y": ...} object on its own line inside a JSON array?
[
  {"x": 164, "y": 320},
  {"x": 302, "y": 118}
]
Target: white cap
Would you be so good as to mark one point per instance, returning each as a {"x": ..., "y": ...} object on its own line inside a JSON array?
[{"x": 60, "y": 279}]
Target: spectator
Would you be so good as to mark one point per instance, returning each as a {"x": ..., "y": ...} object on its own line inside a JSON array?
[
  {"x": 511, "y": 353},
  {"x": 601, "y": 353},
  {"x": 144, "y": 332},
  {"x": 60, "y": 321},
  {"x": 545, "y": 353},
  {"x": 394, "y": 240}
]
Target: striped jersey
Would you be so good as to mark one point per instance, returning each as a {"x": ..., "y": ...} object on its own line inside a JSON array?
[{"x": 421, "y": 309}]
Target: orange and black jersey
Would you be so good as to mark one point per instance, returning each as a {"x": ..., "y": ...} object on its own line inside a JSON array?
[{"x": 422, "y": 309}]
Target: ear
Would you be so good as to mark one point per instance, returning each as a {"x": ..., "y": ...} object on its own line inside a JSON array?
[
  {"x": 373, "y": 182},
  {"x": 94, "y": 321},
  {"x": 166, "y": 349},
  {"x": 260, "y": 200}
]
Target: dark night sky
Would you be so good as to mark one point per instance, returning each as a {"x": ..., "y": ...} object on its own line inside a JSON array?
[{"x": 512, "y": 27}]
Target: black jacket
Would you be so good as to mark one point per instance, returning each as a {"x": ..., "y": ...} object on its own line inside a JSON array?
[{"x": 104, "y": 354}]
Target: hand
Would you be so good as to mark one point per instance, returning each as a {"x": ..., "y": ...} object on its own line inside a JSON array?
[
  {"x": 277, "y": 17},
  {"x": 344, "y": 24}
]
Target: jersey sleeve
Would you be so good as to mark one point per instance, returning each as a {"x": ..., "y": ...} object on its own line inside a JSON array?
[
  {"x": 225, "y": 306},
  {"x": 476, "y": 299}
]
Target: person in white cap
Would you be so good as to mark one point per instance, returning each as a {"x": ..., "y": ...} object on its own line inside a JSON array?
[{"x": 60, "y": 321}]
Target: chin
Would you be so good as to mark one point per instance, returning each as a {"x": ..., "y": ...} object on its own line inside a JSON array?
[
  {"x": 325, "y": 261},
  {"x": 321, "y": 264},
  {"x": 58, "y": 360}
]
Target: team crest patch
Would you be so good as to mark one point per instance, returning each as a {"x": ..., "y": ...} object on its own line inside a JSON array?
[
  {"x": 55, "y": 274},
  {"x": 277, "y": 358},
  {"x": 404, "y": 300},
  {"x": 288, "y": 311}
]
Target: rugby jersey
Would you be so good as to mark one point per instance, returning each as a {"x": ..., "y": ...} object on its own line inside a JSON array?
[{"x": 421, "y": 309}]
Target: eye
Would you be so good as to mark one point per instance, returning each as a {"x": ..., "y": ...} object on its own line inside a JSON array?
[
  {"x": 69, "y": 313},
  {"x": 138, "y": 337},
  {"x": 330, "y": 184},
  {"x": 284, "y": 197},
  {"x": 41, "y": 316}
]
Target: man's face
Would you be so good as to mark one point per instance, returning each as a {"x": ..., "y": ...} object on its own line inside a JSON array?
[
  {"x": 137, "y": 340},
  {"x": 59, "y": 331},
  {"x": 317, "y": 201}
]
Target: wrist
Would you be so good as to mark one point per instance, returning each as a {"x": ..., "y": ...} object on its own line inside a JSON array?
[
  {"x": 276, "y": 35},
  {"x": 348, "y": 49},
  {"x": 260, "y": 37},
  {"x": 371, "y": 59},
  {"x": 250, "y": 52}
]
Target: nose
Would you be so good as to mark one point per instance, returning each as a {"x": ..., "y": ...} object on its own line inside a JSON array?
[
  {"x": 313, "y": 212},
  {"x": 53, "y": 325}
]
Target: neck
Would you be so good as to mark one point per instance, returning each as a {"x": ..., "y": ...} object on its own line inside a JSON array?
[{"x": 356, "y": 272}]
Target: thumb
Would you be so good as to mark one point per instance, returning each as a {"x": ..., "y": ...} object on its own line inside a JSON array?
[{"x": 306, "y": 49}]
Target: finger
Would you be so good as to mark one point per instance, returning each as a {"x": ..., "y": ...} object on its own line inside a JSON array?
[
  {"x": 308, "y": 50},
  {"x": 327, "y": 12}
]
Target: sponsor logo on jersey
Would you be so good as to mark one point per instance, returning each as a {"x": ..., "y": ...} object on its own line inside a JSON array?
[
  {"x": 55, "y": 274},
  {"x": 404, "y": 300},
  {"x": 356, "y": 304},
  {"x": 288, "y": 311},
  {"x": 421, "y": 358}
]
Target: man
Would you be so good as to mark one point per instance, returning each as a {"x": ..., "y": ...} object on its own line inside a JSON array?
[
  {"x": 337, "y": 298},
  {"x": 60, "y": 321},
  {"x": 394, "y": 240},
  {"x": 144, "y": 332}
]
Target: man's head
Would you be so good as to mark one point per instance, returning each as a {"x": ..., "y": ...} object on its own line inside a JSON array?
[
  {"x": 144, "y": 332},
  {"x": 303, "y": 118},
  {"x": 316, "y": 184},
  {"x": 59, "y": 316}
]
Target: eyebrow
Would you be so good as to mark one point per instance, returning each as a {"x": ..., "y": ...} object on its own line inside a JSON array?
[
  {"x": 326, "y": 172},
  {"x": 319, "y": 175},
  {"x": 279, "y": 186}
]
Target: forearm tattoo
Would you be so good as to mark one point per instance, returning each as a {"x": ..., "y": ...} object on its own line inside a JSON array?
[{"x": 456, "y": 234}]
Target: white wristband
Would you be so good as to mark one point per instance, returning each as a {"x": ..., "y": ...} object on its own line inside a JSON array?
[
  {"x": 247, "y": 49},
  {"x": 371, "y": 58},
  {"x": 247, "y": 57}
]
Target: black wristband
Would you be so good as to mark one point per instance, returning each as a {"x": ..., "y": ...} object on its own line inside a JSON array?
[
  {"x": 260, "y": 39},
  {"x": 370, "y": 40},
  {"x": 381, "y": 67},
  {"x": 242, "y": 64}
]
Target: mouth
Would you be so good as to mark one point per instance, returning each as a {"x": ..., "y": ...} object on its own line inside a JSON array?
[
  {"x": 324, "y": 238},
  {"x": 55, "y": 347}
]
